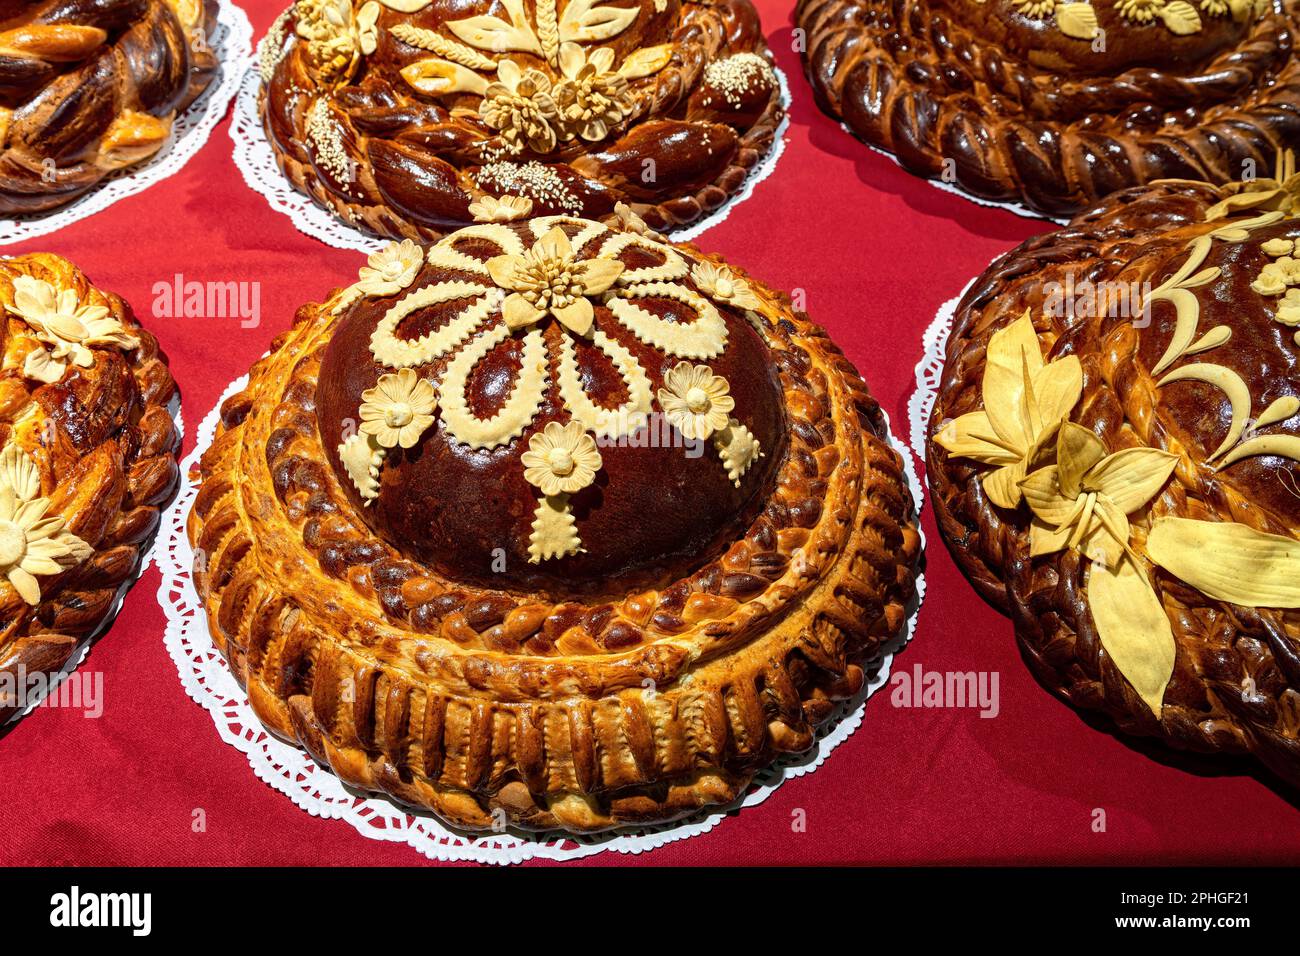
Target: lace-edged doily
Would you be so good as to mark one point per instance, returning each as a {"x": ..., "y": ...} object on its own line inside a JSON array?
[
  {"x": 256, "y": 161},
  {"x": 929, "y": 372},
  {"x": 233, "y": 42},
  {"x": 1015, "y": 207},
  {"x": 291, "y": 771}
]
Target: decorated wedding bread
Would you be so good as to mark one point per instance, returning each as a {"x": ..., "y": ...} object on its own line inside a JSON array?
[
  {"x": 87, "y": 457},
  {"x": 1114, "y": 460},
  {"x": 552, "y": 524},
  {"x": 402, "y": 116},
  {"x": 90, "y": 87},
  {"x": 1056, "y": 104}
]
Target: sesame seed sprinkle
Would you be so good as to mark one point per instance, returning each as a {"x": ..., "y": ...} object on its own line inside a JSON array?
[
  {"x": 534, "y": 180},
  {"x": 739, "y": 74}
]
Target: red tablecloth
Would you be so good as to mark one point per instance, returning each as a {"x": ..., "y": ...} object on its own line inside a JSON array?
[{"x": 876, "y": 252}]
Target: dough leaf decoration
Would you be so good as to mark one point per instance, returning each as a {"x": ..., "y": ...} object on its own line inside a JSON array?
[
  {"x": 1025, "y": 402},
  {"x": 585, "y": 22},
  {"x": 1133, "y": 627},
  {"x": 1277, "y": 195},
  {"x": 496, "y": 35},
  {"x": 1077, "y": 20},
  {"x": 437, "y": 77},
  {"x": 1177, "y": 290},
  {"x": 1229, "y": 561},
  {"x": 1181, "y": 18},
  {"x": 1232, "y": 385}
]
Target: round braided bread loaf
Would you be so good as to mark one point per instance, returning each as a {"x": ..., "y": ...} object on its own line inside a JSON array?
[
  {"x": 1187, "y": 351},
  {"x": 88, "y": 87},
  {"x": 401, "y": 117},
  {"x": 87, "y": 459},
  {"x": 1011, "y": 100},
  {"x": 470, "y": 603}
]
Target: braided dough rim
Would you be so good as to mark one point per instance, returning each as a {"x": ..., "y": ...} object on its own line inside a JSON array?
[
  {"x": 502, "y": 742},
  {"x": 50, "y": 651},
  {"x": 1075, "y": 183},
  {"x": 673, "y": 214},
  {"x": 1049, "y": 633}
]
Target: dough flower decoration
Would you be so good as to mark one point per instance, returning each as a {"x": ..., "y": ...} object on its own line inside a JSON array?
[
  {"x": 695, "y": 400},
  {"x": 592, "y": 96},
  {"x": 556, "y": 276},
  {"x": 336, "y": 37},
  {"x": 1025, "y": 402},
  {"x": 723, "y": 285},
  {"x": 386, "y": 272},
  {"x": 1082, "y": 502},
  {"x": 69, "y": 327},
  {"x": 31, "y": 542},
  {"x": 398, "y": 410},
  {"x": 501, "y": 209},
  {"x": 548, "y": 280},
  {"x": 521, "y": 108},
  {"x": 631, "y": 222},
  {"x": 561, "y": 460}
]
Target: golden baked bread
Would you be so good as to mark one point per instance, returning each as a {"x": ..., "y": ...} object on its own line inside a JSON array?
[
  {"x": 403, "y": 116},
  {"x": 1056, "y": 104},
  {"x": 555, "y": 525},
  {"x": 88, "y": 87},
  {"x": 1114, "y": 461},
  {"x": 87, "y": 458}
]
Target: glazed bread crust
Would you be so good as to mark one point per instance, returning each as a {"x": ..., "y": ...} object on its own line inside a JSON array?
[
  {"x": 103, "y": 443},
  {"x": 89, "y": 87},
  {"x": 545, "y": 709},
  {"x": 1235, "y": 684},
  {"x": 1008, "y": 107},
  {"x": 398, "y": 161}
]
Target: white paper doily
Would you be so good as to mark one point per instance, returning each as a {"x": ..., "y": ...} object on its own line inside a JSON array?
[
  {"x": 1018, "y": 208},
  {"x": 929, "y": 371},
  {"x": 232, "y": 42},
  {"x": 256, "y": 161},
  {"x": 79, "y": 656},
  {"x": 291, "y": 771}
]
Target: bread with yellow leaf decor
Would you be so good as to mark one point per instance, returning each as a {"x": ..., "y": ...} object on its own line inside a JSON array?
[
  {"x": 1114, "y": 457},
  {"x": 553, "y": 524},
  {"x": 90, "y": 87},
  {"x": 404, "y": 117},
  {"x": 1057, "y": 104},
  {"x": 87, "y": 458}
]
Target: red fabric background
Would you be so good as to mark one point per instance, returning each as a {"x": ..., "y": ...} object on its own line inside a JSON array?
[{"x": 876, "y": 252}]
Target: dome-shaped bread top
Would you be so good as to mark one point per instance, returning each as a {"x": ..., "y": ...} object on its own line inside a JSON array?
[
  {"x": 552, "y": 404},
  {"x": 1158, "y": 34}
]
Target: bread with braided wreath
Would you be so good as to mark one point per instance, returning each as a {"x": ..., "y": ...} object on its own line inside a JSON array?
[
  {"x": 411, "y": 118},
  {"x": 1114, "y": 454},
  {"x": 555, "y": 524},
  {"x": 1056, "y": 104},
  {"x": 87, "y": 459},
  {"x": 90, "y": 87}
]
